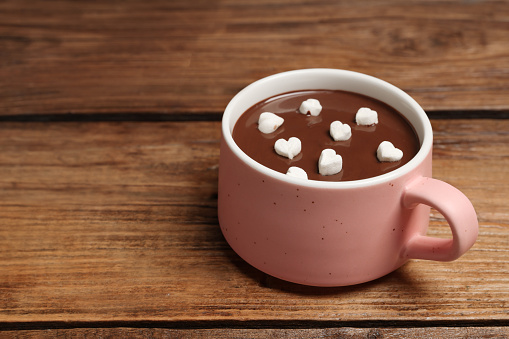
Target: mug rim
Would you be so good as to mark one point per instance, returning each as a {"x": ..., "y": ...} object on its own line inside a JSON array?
[{"x": 425, "y": 147}]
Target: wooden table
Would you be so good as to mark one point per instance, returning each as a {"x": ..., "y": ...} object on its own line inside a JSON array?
[{"x": 109, "y": 144}]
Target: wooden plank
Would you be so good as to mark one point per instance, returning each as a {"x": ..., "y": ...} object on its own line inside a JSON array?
[
  {"x": 105, "y": 222},
  {"x": 351, "y": 333},
  {"x": 193, "y": 56}
]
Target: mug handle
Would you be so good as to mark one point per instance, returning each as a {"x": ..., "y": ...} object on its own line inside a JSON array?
[{"x": 457, "y": 210}]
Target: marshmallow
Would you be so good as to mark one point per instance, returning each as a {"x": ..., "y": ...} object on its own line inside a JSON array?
[
  {"x": 311, "y": 106},
  {"x": 269, "y": 122},
  {"x": 330, "y": 163},
  {"x": 340, "y": 131},
  {"x": 386, "y": 152},
  {"x": 297, "y": 172},
  {"x": 366, "y": 116},
  {"x": 289, "y": 148}
]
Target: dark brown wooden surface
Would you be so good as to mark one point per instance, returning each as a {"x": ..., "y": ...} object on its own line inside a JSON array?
[
  {"x": 346, "y": 332},
  {"x": 105, "y": 222},
  {"x": 109, "y": 228},
  {"x": 193, "y": 56}
]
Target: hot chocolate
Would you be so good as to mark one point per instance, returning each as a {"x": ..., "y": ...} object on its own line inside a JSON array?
[{"x": 358, "y": 152}]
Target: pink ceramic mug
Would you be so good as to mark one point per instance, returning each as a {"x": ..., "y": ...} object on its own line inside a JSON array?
[{"x": 336, "y": 233}]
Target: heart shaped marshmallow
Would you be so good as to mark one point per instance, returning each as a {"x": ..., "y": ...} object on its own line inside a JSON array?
[
  {"x": 366, "y": 116},
  {"x": 269, "y": 122},
  {"x": 289, "y": 148},
  {"x": 311, "y": 106},
  {"x": 297, "y": 172},
  {"x": 386, "y": 152},
  {"x": 330, "y": 163},
  {"x": 340, "y": 131}
]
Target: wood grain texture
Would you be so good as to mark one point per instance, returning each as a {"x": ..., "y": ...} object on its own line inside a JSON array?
[
  {"x": 105, "y": 222},
  {"x": 347, "y": 333},
  {"x": 173, "y": 57}
]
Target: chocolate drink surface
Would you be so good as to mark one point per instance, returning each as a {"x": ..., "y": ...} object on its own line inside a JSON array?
[{"x": 359, "y": 152}]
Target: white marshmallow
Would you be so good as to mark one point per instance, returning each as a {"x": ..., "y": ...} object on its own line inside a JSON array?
[
  {"x": 386, "y": 152},
  {"x": 340, "y": 131},
  {"x": 269, "y": 122},
  {"x": 366, "y": 116},
  {"x": 289, "y": 148},
  {"x": 311, "y": 106},
  {"x": 330, "y": 163},
  {"x": 297, "y": 172}
]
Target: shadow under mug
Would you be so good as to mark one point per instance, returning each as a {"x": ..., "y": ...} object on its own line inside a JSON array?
[{"x": 324, "y": 233}]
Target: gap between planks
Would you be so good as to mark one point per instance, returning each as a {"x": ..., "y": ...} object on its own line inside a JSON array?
[
  {"x": 213, "y": 116},
  {"x": 253, "y": 324}
]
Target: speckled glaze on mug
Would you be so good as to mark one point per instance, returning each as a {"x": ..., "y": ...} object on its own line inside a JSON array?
[{"x": 336, "y": 233}]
